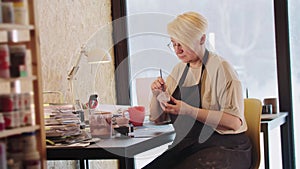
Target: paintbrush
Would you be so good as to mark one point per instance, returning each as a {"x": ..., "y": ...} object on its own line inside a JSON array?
[{"x": 163, "y": 86}]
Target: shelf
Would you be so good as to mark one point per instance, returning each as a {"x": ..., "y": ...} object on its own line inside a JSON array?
[
  {"x": 14, "y": 36},
  {"x": 10, "y": 27},
  {"x": 3, "y": 36},
  {"x": 17, "y": 34},
  {"x": 29, "y": 78},
  {"x": 20, "y": 130}
]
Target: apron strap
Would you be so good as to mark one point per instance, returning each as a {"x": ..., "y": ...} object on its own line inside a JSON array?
[
  {"x": 204, "y": 60},
  {"x": 183, "y": 76}
]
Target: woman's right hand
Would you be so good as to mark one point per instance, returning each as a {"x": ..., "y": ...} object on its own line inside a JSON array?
[{"x": 158, "y": 85}]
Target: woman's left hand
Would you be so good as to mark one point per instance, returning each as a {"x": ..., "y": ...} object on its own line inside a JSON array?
[{"x": 179, "y": 107}]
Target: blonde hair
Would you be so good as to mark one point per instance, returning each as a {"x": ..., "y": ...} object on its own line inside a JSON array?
[{"x": 188, "y": 28}]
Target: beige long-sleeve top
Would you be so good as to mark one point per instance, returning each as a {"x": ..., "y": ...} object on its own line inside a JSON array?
[{"x": 222, "y": 89}]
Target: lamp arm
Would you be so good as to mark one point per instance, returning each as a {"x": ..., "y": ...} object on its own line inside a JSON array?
[{"x": 75, "y": 68}]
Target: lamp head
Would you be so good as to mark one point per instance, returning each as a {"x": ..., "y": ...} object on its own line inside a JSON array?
[{"x": 98, "y": 55}]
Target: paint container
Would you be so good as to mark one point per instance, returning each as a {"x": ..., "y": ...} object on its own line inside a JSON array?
[
  {"x": 4, "y": 61},
  {"x": 1, "y": 21},
  {"x": 100, "y": 124},
  {"x": 273, "y": 102},
  {"x": 3, "y": 162},
  {"x": 16, "y": 101},
  {"x": 15, "y": 160},
  {"x": 267, "y": 109},
  {"x": 18, "y": 61},
  {"x": 32, "y": 160},
  {"x": 6, "y": 102},
  {"x": 7, "y": 12},
  {"x": 29, "y": 141},
  {"x": 15, "y": 144},
  {"x": 2, "y": 122},
  {"x": 21, "y": 12},
  {"x": 26, "y": 118},
  {"x": 11, "y": 119},
  {"x": 10, "y": 102},
  {"x": 26, "y": 100}
]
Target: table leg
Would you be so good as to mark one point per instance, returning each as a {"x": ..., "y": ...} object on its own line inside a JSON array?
[
  {"x": 266, "y": 149},
  {"x": 81, "y": 163},
  {"x": 87, "y": 164},
  {"x": 126, "y": 163}
]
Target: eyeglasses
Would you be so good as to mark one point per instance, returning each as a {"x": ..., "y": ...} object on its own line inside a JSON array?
[{"x": 172, "y": 46}]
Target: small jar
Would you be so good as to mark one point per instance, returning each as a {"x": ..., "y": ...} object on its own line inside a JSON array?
[
  {"x": 29, "y": 141},
  {"x": 18, "y": 61},
  {"x": 26, "y": 118},
  {"x": 100, "y": 124},
  {"x": 2, "y": 122},
  {"x": 14, "y": 144},
  {"x": 6, "y": 102},
  {"x": 11, "y": 119},
  {"x": 4, "y": 61},
  {"x": 32, "y": 160},
  {"x": 3, "y": 155},
  {"x": 7, "y": 12},
  {"x": 26, "y": 101},
  {"x": 15, "y": 160}
]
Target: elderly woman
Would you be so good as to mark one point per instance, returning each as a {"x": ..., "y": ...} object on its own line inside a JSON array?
[{"x": 205, "y": 106}]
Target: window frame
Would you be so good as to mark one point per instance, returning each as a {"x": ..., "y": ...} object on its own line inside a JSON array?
[
  {"x": 284, "y": 74},
  {"x": 120, "y": 34},
  {"x": 283, "y": 59}
]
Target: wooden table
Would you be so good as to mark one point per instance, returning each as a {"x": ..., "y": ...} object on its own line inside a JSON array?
[
  {"x": 269, "y": 122},
  {"x": 145, "y": 138}
]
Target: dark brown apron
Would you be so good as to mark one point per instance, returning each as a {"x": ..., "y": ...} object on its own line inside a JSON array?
[{"x": 197, "y": 145}]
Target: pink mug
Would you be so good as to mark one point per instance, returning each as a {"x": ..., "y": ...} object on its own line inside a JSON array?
[{"x": 136, "y": 115}]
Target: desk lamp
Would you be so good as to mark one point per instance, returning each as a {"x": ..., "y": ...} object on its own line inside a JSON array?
[{"x": 95, "y": 55}]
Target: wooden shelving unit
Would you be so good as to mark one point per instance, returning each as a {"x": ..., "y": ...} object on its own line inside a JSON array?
[
  {"x": 29, "y": 78},
  {"x": 31, "y": 40},
  {"x": 9, "y": 27},
  {"x": 20, "y": 130}
]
